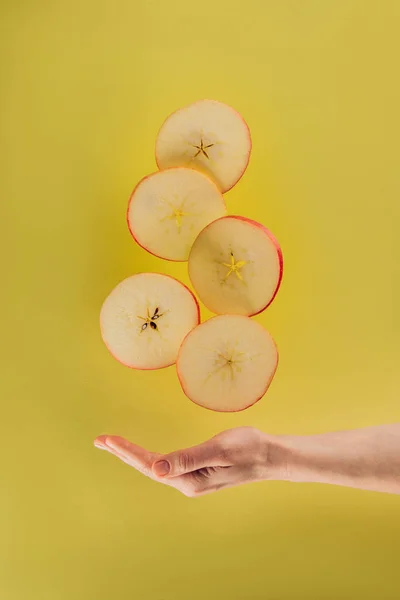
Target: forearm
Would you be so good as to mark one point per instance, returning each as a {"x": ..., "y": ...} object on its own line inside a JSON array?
[{"x": 364, "y": 458}]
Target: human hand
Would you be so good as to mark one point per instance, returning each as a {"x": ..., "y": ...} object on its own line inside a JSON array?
[{"x": 233, "y": 457}]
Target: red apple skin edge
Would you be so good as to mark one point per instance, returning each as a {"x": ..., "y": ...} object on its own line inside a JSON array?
[
  {"x": 227, "y": 411},
  {"x": 240, "y": 117},
  {"x": 170, "y": 364},
  {"x": 276, "y": 244},
  {"x": 279, "y": 252},
  {"x": 129, "y": 204}
]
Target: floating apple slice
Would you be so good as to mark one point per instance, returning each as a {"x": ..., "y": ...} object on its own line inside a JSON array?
[
  {"x": 209, "y": 136},
  {"x": 227, "y": 363},
  {"x": 145, "y": 318},
  {"x": 169, "y": 208},
  {"x": 235, "y": 266}
]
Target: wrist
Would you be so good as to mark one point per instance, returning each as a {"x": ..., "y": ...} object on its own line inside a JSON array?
[
  {"x": 287, "y": 459},
  {"x": 304, "y": 459},
  {"x": 277, "y": 458}
]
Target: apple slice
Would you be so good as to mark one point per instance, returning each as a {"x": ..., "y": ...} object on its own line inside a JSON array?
[
  {"x": 236, "y": 266},
  {"x": 209, "y": 136},
  {"x": 145, "y": 318},
  {"x": 168, "y": 209},
  {"x": 227, "y": 363}
]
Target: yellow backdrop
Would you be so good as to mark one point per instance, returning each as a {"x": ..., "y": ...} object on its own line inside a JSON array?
[{"x": 84, "y": 88}]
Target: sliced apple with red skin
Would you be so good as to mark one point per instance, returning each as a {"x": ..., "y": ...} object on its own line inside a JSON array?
[
  {"x": 168, "y": 209},
  {"x": 227, "y": 363},
  {"x": 236, "y": 266},
  {"x": 145, "y": 318},
  {"x": 209, "y": 136}
]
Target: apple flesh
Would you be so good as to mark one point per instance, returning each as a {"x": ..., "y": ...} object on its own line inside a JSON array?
[
  {"x": 169, "y": 208},
  {"x": 227, "y": 363},
  {"x": 209, "y": 136},
  {"x": 235, "y": 266},
  {"x": 145, "y": 318}
]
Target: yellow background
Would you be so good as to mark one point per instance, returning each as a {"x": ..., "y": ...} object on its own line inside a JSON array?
[{"x": 84, "y": 87}]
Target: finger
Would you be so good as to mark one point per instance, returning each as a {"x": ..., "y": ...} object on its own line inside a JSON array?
[
  {"x": 100, "y": 442},
  {"x": 208, "y": 454},
  {"x": 135, "y": 456},
  {"x": 207, "y": 481},
  {"x": 200, "y": 482}
]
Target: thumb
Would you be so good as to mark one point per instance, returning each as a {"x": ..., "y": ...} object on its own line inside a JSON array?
[{"x": 177, "y": 463}]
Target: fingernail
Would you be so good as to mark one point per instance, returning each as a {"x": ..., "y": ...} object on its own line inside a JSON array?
[
  {"x": 162, "y": 467},
  {"x": 100, "y": 446}
]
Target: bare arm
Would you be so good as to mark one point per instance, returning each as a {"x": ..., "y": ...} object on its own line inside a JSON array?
[{"x": 363, "y": 458}]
